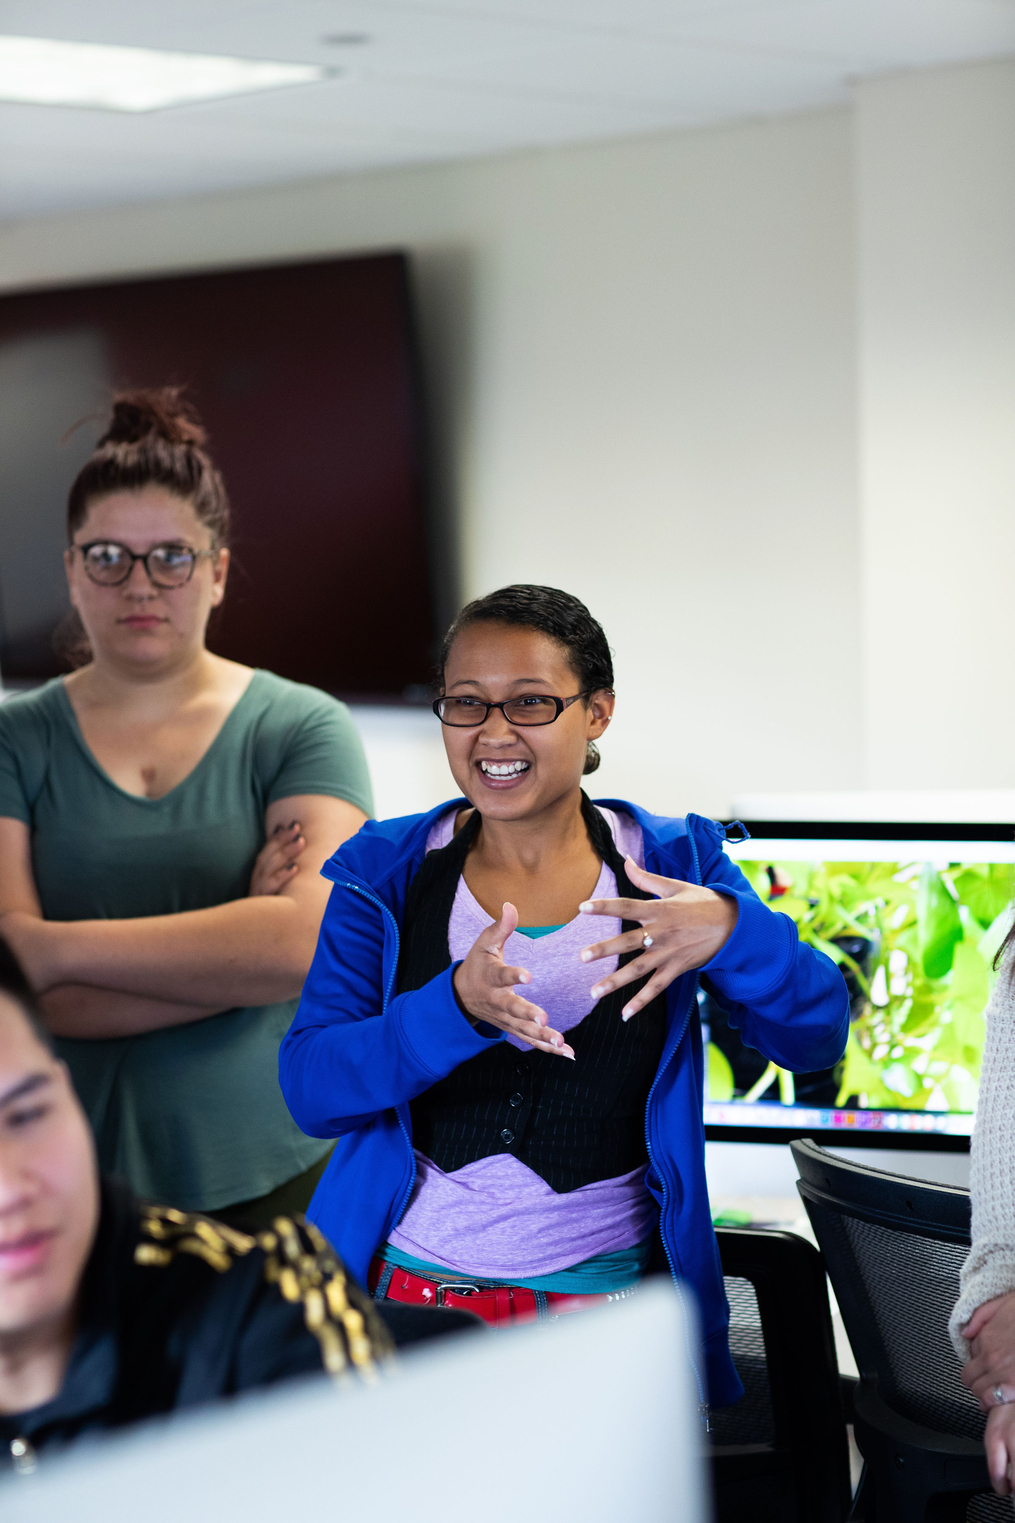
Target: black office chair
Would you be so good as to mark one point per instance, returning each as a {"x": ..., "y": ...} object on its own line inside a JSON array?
[
  {"x": 893, "y": 1248},
  {"x": 781, "y": 1454}
]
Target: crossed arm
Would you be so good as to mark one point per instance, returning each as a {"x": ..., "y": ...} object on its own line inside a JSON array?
[{"x": 114, "y": 978}]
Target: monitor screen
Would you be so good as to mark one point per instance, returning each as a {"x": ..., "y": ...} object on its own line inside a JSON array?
[
  {"x": 305, "y": 376},
  {"x": 913, "y": 915}
]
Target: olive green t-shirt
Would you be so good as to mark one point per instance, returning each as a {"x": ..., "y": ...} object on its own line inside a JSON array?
[{"x": 192, "y": 1115}]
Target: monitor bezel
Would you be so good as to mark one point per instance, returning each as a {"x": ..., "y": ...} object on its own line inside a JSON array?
[{"x": 843, "y": 1137}]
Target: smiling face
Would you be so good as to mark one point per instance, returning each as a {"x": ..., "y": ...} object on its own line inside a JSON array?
[
  {"x": 137, "y": 625},
  {"x": 49, "y": 1194},
  {"x": 512, "y": 772}
]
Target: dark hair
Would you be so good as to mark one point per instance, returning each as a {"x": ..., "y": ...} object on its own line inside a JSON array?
[
  {"x": 15, "y": 985},
  {"x": 558, "y": 614},
  {"x": 154, "y": 438}
]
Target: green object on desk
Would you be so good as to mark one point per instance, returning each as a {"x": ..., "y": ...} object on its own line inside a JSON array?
[{"x": 732, "y": 1219}]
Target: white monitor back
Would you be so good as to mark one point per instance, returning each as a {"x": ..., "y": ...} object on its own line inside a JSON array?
[{"x": 591, "y": 1419}]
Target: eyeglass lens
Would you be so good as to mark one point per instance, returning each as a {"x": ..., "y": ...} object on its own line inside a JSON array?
[
  {"x": 167, "y": 565},
  {"x": 530, "y": 710}
]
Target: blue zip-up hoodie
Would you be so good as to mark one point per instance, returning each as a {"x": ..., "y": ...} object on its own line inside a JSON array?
[{"x": 354, "y": 1056}]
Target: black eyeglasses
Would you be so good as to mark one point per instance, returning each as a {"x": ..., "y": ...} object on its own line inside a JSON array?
[
  {"x": 533, "y": 709},
  {"x": 170, "y": 565}
]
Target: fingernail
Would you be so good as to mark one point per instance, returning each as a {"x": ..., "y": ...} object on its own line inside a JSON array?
[
  {"x": 585, "y": 956},
  {"x": 596, "y": 993},
  {"x": 625, "y": 1015},
  {"x": 586, "y": 908},
  {"x": 567, "y": 1053}
]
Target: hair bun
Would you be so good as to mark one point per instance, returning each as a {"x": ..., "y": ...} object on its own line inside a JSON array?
[{"x": 161, "y": 411}]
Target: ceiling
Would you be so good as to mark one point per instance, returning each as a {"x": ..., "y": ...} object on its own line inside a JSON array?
[{"x": 429, "y": 80}]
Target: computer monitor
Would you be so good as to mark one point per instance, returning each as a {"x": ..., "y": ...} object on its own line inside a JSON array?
[
  {"x": 592, "y": 1417},
  {"x": 913, "y": 914}
]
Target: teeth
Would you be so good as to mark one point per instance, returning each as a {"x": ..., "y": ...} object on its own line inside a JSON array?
[{"x": 504, "y": 769}]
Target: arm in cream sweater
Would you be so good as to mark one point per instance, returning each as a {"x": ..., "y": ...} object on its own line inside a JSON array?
[{"x": 989, "y": 1270}]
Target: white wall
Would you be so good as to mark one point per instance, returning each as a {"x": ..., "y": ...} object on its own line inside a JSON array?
[
  {"x": 641, "y": 358},
  {"x": 936, "y": 240},
  {"x": 749, "y": 391}
]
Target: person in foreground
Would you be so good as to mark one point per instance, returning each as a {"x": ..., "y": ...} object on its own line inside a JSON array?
[
  {"x": 520, "y": 1153},
  {"x": 982, "y": 1325},
  {"x": 112, "y": 1311},
  {"x": 163, "y": 816}
]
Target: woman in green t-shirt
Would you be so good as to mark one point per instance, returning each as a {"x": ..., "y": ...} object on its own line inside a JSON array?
[{"x": 164, "y": 814}]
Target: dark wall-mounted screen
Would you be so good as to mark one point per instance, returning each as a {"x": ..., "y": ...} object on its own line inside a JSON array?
[{"x": 305, "y": 377}]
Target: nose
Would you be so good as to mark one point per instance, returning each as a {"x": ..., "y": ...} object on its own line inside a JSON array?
[
  {"x": 16, "y": 1188},
  {"x": 496, "y": 731},
  {"x": 138, "y": 583}
]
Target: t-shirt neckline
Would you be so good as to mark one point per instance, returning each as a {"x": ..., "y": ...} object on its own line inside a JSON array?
[
  {"x": 473, "y": 904},
  {"x": 139, "y": 798}
]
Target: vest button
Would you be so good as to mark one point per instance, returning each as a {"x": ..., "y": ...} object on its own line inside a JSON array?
[
  {"x": 517, "y": 1099},
  {"x": 521, "y": 1069},
  {"x": 507, "y": 1135}
]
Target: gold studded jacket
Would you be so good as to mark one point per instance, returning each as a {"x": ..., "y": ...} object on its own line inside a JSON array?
[{"x": 178, "y": 1310}]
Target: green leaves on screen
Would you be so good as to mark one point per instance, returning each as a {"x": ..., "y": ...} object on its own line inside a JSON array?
[
  {"x": 939, "y": 928},
  {"x": 916, "y": 1042}
]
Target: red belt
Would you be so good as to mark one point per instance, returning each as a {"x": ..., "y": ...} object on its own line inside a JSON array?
[{"x": 497, "y": 1304}]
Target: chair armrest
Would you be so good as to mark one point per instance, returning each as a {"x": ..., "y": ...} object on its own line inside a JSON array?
[{"x": 869, "y": 1410}]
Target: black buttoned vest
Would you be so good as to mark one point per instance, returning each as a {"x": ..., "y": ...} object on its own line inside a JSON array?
[{"x": 571, "y": 1123}]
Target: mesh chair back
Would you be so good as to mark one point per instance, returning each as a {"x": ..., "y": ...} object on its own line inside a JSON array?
[
  {"x": 894, "y": 1248},
  {"x": 780, "y": 1455},
  {"x": 752, "y": 1420},
  {"x": 989, "y": 1508}
]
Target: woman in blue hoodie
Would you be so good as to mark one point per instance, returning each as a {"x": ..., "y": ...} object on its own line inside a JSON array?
[{"x": 500, "y": 1024}]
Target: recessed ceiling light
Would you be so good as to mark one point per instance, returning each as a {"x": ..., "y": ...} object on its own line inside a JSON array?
[{"x": 43, "y": 72}]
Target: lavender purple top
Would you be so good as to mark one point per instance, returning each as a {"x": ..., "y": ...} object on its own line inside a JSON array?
[{"x": 495, "y": 1218}]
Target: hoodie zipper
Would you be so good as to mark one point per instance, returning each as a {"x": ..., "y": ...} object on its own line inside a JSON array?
[
  {"x": 688, "y": 1330},
  {"x": 372, "y": 899}
]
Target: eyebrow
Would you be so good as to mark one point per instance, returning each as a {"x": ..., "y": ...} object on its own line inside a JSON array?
[
  {"x": 24, "y": 1087},
  {"x": 518, "y": 681},
  {"x": 174, "y": 542}
]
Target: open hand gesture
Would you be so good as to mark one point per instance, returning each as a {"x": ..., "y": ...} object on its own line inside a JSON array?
[
  {"x": 484, "y": 985},
  {"x": 684, "y": 927}
]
